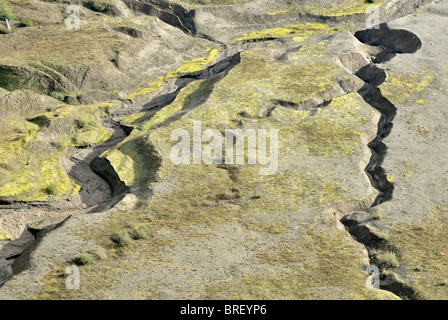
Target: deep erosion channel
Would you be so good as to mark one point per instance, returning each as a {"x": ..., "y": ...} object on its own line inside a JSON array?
[{"x": 393, "y": 42}]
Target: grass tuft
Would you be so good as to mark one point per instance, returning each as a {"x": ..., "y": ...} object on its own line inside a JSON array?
[
  {"x": 140, "y": 232},
  {"x": 97, "y": 6},
  {"x": 121, "y": 238},
  {"x": 6, "y": 13},
  {"x": 26, "y": 23},
  {"x": 50, "y": 190},
  {"x": 387, "y": 260},
  {"x": 85, "y": 259}
]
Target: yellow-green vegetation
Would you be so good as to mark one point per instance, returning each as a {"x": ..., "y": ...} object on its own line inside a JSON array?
[
  {"x": 299, "y": 38},
  {"x": 152, "y": 86},
  {"x": 399, "y": 88},
  {"x": 190, "y": 67},
  {"x": 195, "y": 65},
  {"x": 289, "y": 30},
  {"x": 421, "y": 101},
  {"x": 191, "y": 4},
  {"x": 183, "y": 102},
  {"x": 333, "y": 9},
  {"x": 296, "y": 81},
  {"x": 4, "y": 235},
  {"x": 140, "y": 232},
  {"x": 116, "y": 235},
  {"x": 134, "y": 160},
  {"x": 126, "y": 162},
  {"x": 85, "y": 259},
  {"x": 97, "y": 5},
  {"x": 386, "y": 260},
  {"x": 129, "y": 120},
  {"x": 37, "y": 12},
  {"x": 340, "y": 8},
  {"x": 410, "y": 170},
  {"x": 325, "y": 136},
  {"x": 31, "y": 170},
  {"x": 121, "y": 238},
  {"x": 3, "y": 92},
  {"x": 426, "y": 265},
  {"x": 289, "y": 9},
  {"x": 43, "y": 59},
  {"x": 5, "y": 12}
]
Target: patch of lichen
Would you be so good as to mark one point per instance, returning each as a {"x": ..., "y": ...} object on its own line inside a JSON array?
[
  {"x": 195, "y": 65},
  {"x": 126, "y": 163},
  {"x": 4, "y": 235},
  {"x": 339, "y": 8},
  {"x": 427, "y": 266},
  {"x": 41, "y": 180},
  {"x": 182, "y": 103},
  {"x": 306, "y": 29},
  {"x": 188, "y": 67},
  {"x": 330, "y": 9},
  {"x": 191, "y": 4},
  {"x": 132, "y": 119},
  {"x": 152, "y": 87},
  {"x": 400, "y": 87},
  {"x": 33, "y": 171}
]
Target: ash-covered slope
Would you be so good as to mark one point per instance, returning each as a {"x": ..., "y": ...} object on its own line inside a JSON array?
[{"x": 349, "y": 111}]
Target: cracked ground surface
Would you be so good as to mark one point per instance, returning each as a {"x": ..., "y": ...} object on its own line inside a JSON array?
[{"x": 361, "y": 176}]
